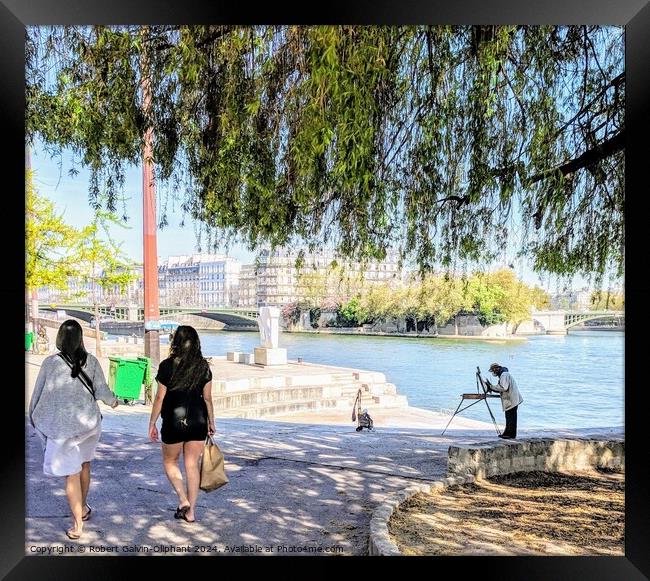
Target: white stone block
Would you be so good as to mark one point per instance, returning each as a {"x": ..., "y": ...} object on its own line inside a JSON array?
[
  {"x": 266, "y": 356},
  {"x": 232, "y": 355},
  {"x": 249, "y": 358}
]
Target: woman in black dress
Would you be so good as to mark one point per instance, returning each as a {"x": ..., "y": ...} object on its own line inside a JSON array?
[{"x": 184, "y": 401}]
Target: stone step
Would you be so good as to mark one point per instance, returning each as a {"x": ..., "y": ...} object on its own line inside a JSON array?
[
  {"x": 279, "y": 381},
  {"x": 380, "y": 388},
  {"x": 277, "y": 408},
  {"x": 399, "y": 401},
  {"x": 263, "y": 396}
]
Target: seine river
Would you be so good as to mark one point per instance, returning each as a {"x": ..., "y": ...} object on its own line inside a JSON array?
[{"x": 573, "y": 381}]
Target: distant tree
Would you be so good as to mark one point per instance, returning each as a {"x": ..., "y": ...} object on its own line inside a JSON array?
[
  {"x": 516, "y": 297},
  {"x": 291, "y": 313},
  {"x": 443, "y": 297},
  {"x": 486, "y": 299},
  {"x": 607, "y": 301},
  {"x": 379, "y": 302},
  {"x": 49, "y": 243},
  {"x": 101, "y": 263},
  {"x": 352, "y": 314},
  {"x": 540, "y": 299}
]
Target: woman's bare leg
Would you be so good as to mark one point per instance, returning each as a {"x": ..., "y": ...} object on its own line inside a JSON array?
[
  {"x": 85, "y": 484},
  {"x": 191, "y": 452},
  {"x": 73, "y": 492},
  {"x": 171, "y": 454}
]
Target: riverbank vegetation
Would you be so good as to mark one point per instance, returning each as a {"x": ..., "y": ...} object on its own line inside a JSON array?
[{"x": 422, "y": 302}]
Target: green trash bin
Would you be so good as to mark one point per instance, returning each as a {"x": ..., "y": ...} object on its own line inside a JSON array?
[
  {"x": 29, "y": 340},
  {"x": 125, "y": 377}
]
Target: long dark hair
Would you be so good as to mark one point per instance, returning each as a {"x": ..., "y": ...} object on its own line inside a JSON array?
[
  {"x": 70, "y": 342},
  {"x": 189, "y": 365}
]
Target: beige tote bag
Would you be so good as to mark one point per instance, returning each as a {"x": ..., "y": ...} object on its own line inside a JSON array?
[{"x": 213, "y": 474}]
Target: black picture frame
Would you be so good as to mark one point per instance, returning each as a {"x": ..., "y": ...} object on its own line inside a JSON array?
[{"x": 635, "y": 14}]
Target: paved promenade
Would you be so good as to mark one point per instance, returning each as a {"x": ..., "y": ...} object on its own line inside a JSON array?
[{"x": 304, "y": 483}]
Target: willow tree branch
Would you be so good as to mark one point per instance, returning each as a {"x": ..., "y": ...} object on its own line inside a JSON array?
[{"x": 588, "y": 158}]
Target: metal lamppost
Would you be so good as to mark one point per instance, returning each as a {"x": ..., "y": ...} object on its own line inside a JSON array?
[{"x": 150, "y": 254}]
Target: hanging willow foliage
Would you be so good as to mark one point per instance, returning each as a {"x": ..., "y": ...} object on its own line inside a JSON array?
[{"x": 444, "y": 142}]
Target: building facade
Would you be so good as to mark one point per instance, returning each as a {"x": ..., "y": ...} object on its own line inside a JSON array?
[
  {"x": 247, "y": 286},
  {"x": 218, "y": 281},
  {"x": 199, "y": 280},
  {"x": 322, "y": 275}
]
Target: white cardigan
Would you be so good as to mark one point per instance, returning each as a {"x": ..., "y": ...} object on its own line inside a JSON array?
[{"x": 61, "y": 407}]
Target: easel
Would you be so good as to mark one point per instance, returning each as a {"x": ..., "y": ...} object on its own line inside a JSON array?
[{"x": 478, "y": 396}]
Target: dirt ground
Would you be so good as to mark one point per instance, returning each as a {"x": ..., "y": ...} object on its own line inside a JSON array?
[{"x": 531, "y": 513}]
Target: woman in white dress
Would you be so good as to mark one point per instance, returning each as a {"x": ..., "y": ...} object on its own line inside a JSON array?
[{"x": 64, "y": 412}]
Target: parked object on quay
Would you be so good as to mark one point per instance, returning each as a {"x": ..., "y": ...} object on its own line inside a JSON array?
[
  {"x": 362, "y": 418},
  {"x": 126, "y": 376},
  {"x": 42, "y": 341}
]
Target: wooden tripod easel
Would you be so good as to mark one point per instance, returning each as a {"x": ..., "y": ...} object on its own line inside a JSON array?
[{"x": 482, "y": 394}]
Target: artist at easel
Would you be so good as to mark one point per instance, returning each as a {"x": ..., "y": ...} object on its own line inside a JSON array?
[{"x": 506, "y": 387}]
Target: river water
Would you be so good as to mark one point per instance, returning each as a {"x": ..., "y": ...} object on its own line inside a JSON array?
[{"x": 572, "y": 381}]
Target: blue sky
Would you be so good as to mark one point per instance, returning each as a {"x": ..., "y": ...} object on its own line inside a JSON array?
[{"x": 70, "y": 197}]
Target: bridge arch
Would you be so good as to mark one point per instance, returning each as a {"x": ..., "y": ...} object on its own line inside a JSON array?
[
  {"x": 244, "y": 318},
  {"x": 597, "y": 316},
  {"x": 554, "y": 322}
]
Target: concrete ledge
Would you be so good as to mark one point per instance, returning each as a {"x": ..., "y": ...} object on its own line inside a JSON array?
[
  {"x": 545, "y": 454},
  {"x": 379, "y": 543}
]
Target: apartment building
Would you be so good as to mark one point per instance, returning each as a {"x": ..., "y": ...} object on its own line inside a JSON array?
[
  {"x": 323, "y": 274},
  {"x": 199, "y": 280}
]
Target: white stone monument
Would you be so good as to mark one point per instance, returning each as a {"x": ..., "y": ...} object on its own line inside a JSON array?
[{"x": 269, "y": 353}]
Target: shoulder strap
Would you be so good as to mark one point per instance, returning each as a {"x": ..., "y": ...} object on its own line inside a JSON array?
[{"x": 85, "y": 380}]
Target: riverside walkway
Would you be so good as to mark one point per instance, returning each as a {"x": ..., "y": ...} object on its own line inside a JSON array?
[{"x": 304, "y": 483}]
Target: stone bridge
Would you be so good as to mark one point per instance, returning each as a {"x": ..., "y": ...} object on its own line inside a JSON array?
[
  {"x": 559, "y": 322},
  {"x": 238, "y": 318}
]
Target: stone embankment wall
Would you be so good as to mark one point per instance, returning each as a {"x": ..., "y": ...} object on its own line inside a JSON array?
[
  {"x": 55, "y": 324},
  {"x": 465, "y": 326},
  {"x": 545, "y": 454},
  {"x": 198, "y": 322}
]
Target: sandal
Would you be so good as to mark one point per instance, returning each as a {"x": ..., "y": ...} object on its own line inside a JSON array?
[
  {"x": 184, "y": 517},
  {"x": 87, "y": 515},
  {"x": 73, "y": 536},
  {"x": 180, "y": 511}
]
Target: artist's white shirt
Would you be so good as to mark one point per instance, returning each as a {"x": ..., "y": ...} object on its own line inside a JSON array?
[{"x": 507, "y": 387}]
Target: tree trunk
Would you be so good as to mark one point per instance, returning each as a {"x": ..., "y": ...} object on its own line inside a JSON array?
[
  {"x": 34, "y": 309},
  {"x": 455, "y": 324},
  {"x": 98, "y": 340}
]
